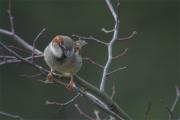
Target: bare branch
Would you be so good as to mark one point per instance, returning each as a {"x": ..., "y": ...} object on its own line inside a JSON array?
[
  {"x": 115, "y": 34},
  {"x": 109, "y": 4},
  {"x": 19, "y": 49},
  {"x": 91, "y": 38},
  {"x": 170, "y": 113},
  {"x": 129, "y": 37},
  {"x": 20, "y": 41},
  {"x": 113, "y": 91},
  {"x": 93, "y": 62},
  {"x": 31, "y": 76},
  {"x": 116, "y": 70},
  {"x": 22, "y": 59},
  {"x": 120, "y": 55},
  {"x": 83, "y": 113},
  {"x": 174, "y": 103},
  {"x": 96, "y": 112},
  {"x": 34, "y": 42},
  {"x": 107, "y": 31},
  {"x": 147, "y": 111},
  {"x": 10, "y": 17},
  {"x": 11, "y": 115},
  {"x": 63, "y": 104},
  {"x": 7, "y": 57},
  {"x": 15, "y": 60}
]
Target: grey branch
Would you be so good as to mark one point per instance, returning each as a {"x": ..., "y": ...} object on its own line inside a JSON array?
[
  {"x": 147, "y": 111},
  {"x": 83, "y": 113},
  {"x": 116, "y": 70},
  {"x": 63, "y": 104},
  {"x": 129, "y": 37},
  {"x": 120, "y": 55},
  {"x": 110, "y": 44},
  {"x": 34, "y": 42},
  {"x": 171, "y": 110},
  {"x": 93, "y": 62},
  {"x": 11, "y": 17},
  {"x": 20, "y": 41},
  {"x": 11, "y": 115},
  {"x": 15, "y": 60},
  {"x": 91, "y": 38},
  {"x": 96, "y": 112},
  {"x": 107, "y": 31}
]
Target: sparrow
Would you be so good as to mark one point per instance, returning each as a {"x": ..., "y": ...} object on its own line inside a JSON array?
[{"x": 62, "y": 55}]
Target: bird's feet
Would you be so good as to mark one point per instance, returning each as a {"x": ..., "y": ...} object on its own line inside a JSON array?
[
  {"x": 69, "y": 86},
  {"x": 50, "y": 76}
]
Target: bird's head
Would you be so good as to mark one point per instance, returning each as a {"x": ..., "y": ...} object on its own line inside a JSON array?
[{"x": 62, "y": 45}]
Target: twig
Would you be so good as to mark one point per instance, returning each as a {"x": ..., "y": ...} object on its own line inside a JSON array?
[
  {"x": 10, "y": 17},
  {"x": 19, "y": 49},
  {"x": 93, "y": 62},
  {"x": 116, "y": 70},
  {"x": 115, "y": 34},
  {"x": 120, "y": 55},
  {"x": 96, "y": 112},
  {"x": 129, "y": 37},
  {"x": 170, "y": 113},
  {"x": 31, "y": 76},
  {"x": 113, "y": 91},
  {"x": 20, "y": 41},
  {"x": 83, "y": 113},
  {"x": 34, "y": 42},
  {"x": 110, "y": 108},
  {"x": 174, "y": 103},
  {"x": 63, "y": 104},
  {"x": 15, "y": 36},
  {"x": 11, "y": 115},
  {"x": 22, "y": 59},
  {"x": 91, "y": 38},
  {"x": 107, "y": 31},
  {"x": 7, "y": 57},
  {"x": 12, "y": 61},
  {"x": 147, "y": 111}
]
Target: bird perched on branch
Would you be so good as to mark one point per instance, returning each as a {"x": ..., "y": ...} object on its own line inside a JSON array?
[{"x": 63, "y": 55}]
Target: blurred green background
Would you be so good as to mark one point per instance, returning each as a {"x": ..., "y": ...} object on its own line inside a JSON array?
[{"x": 152, "y": 58}]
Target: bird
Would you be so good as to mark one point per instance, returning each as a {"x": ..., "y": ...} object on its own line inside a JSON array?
[{"x": 62, "y": 55}]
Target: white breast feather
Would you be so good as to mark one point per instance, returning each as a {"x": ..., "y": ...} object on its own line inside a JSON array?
[{"x": 56, "y": 51}]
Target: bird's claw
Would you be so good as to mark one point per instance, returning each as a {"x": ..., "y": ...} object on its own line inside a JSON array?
[
  {"x": 50, "y": 76},
  {"x": 69, "y": 86}
]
